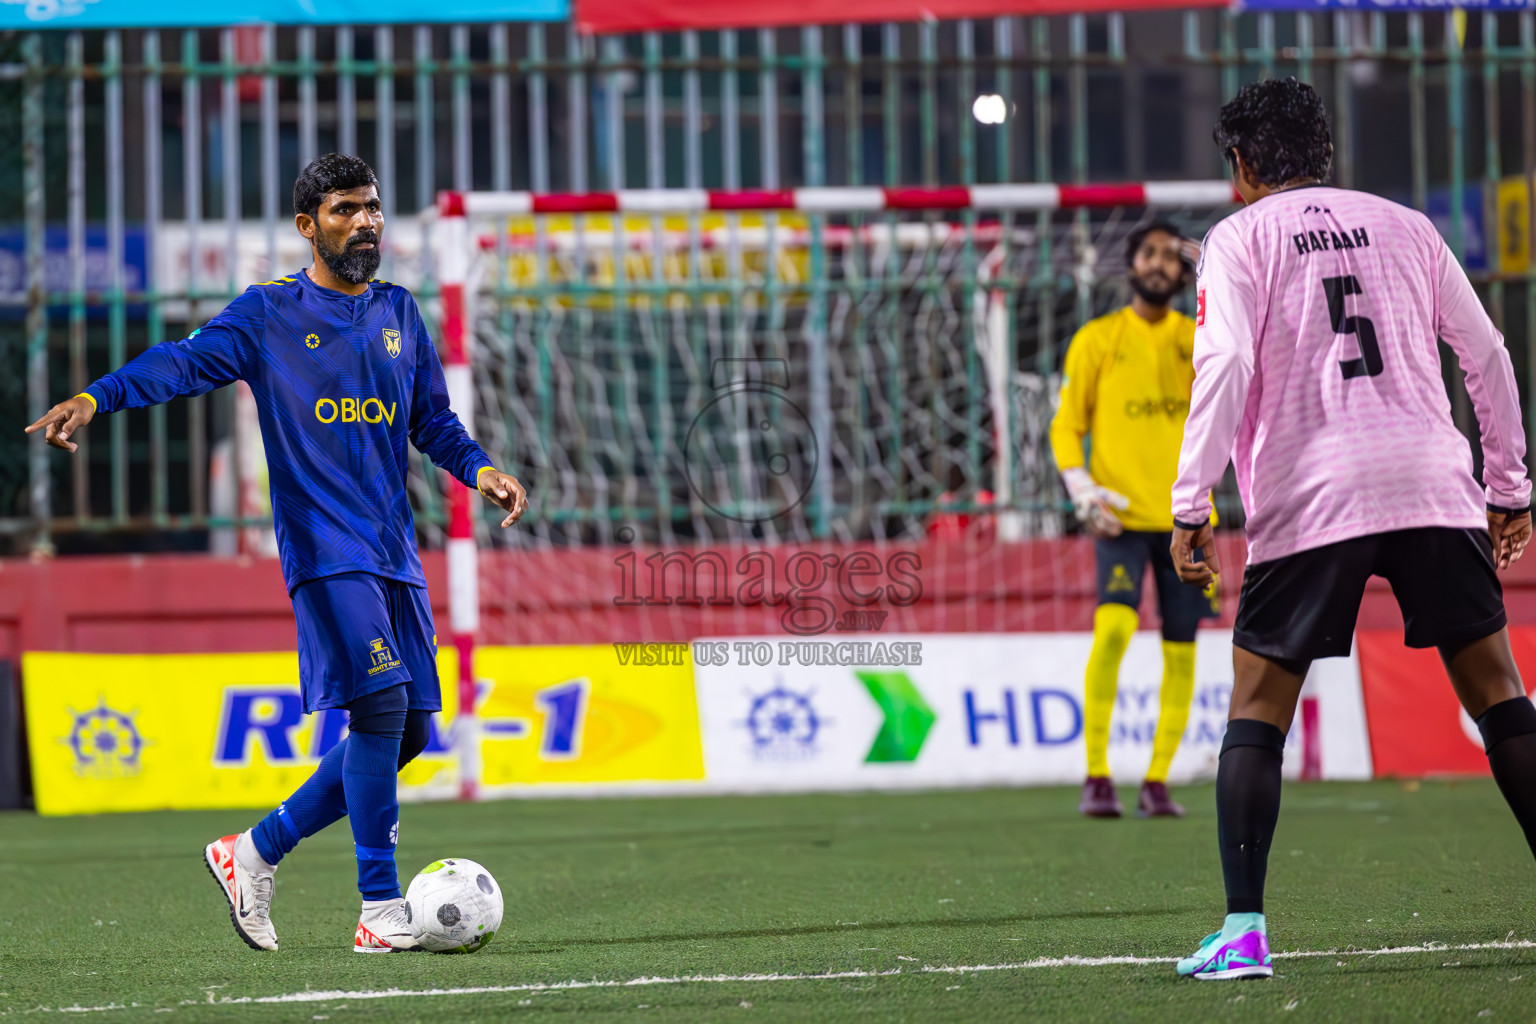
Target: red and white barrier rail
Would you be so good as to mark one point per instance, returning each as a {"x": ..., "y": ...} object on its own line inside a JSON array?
[{"x": 1022, "y": 197}]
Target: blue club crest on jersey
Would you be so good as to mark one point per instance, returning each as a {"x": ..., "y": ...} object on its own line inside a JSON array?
[
  {"x": 392, "y": 342},
  {"x": 106, "y": 743}
]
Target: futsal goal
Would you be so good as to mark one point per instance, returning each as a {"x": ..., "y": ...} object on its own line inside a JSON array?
[{"x": 679, "y": 369}]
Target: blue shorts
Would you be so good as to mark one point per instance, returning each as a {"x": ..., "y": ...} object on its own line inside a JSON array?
[
  {"x": 1123, "y": 561},
  {"x": 360, "y": 633}
]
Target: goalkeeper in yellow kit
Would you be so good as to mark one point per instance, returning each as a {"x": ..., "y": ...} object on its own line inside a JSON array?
[{"x": 1126, "y": 387}]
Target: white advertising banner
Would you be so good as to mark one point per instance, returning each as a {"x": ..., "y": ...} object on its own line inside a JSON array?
[{"x": 971, "y": 710}]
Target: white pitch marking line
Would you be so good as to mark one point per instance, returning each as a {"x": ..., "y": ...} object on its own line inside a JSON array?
[
  {"x": 1109, "y": 961},
  {"x": 569, "y": 986},
  {"x": 1065, "y": 961},
  {"x": 558, "y": 986},
  {"x": 1429, "y": 947}
]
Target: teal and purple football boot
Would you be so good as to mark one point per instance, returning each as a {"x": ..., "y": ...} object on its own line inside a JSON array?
[{"x": 1239, "y": 950}]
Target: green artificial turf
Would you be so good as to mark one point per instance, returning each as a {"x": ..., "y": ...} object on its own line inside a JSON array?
[{"x": 120, "y": 911}]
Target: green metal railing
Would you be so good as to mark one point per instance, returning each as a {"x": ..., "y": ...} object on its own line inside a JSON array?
[{"x": 185, "y": 143}]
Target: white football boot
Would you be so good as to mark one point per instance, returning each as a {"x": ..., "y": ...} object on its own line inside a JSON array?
[
  {"x": 249, "y": 893},
  {"x": 385, "y": 927}
]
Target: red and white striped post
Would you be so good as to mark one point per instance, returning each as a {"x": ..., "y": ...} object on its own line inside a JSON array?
[{"x": 463, "y": 567}]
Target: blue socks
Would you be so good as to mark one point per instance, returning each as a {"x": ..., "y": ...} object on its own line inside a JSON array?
[
  {"x": 316, "y": 804},
  {"x": 355, "y": 779},
  {"x": 368, "y": 779}
]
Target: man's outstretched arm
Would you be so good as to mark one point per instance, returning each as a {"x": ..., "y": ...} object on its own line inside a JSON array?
[{"x": 210, "y": 357}]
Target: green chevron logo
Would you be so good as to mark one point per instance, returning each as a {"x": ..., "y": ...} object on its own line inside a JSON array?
[{"x": 907, "y": 716}]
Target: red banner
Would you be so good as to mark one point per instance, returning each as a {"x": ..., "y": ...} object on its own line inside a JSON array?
[
  {"x": 1416, "y": 724},
  {"x": 643, "y": 15}
]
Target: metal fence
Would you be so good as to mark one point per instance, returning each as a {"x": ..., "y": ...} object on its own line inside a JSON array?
[{"x": 145, "y": 176}]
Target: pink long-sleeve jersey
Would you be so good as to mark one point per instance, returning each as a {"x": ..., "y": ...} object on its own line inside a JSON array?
[{"x": 1317, "y": 373}]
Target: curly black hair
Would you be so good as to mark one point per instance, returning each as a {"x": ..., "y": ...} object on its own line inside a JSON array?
[
  {"x": 334, "y": 172},
  {"x": 1280, "y": 128},
  {"x": 1135, "y": 238}
]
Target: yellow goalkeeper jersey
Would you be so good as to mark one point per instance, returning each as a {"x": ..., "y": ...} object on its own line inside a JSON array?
[{"x": 1126, "y": 387}]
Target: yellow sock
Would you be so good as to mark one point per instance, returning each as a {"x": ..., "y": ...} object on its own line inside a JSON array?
[
  {"x": 1173, "y": 713},
  {"x": 1113, "y": 627}
]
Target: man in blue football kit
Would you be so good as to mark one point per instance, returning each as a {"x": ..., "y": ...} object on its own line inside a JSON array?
[{"x": 344, "y": 375}]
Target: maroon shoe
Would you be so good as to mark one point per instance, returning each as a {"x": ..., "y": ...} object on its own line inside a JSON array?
[
  {"x": 1099, "y": 798},
  {"x": 1155, "y": 803}
]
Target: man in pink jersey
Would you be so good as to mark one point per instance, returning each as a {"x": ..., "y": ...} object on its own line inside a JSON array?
[{"x": 1317, "y": 373}]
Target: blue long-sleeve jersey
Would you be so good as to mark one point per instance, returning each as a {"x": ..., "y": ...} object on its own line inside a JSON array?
[{"x": 341, "y": 383}]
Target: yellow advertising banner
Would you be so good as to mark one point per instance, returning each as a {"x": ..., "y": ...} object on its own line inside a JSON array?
[
  {"x": 1512, "y": 210},
  {"x": 112, "y": 732},
  {"x": 586, "y": 718}
]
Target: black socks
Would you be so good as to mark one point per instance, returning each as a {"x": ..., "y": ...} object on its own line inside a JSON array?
[
  {"x": 1248, "y": 791},
  {"x": 1509, "y": 737},
  {"x": 1248, "y": 804}
]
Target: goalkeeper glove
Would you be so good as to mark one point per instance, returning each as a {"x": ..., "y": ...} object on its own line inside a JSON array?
[{"x": 1093, "y": 502}]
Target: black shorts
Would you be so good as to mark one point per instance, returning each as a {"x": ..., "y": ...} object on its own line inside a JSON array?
[
  {"x": 1122, "y": 562},
  {"x": 1303, "y": 606}
]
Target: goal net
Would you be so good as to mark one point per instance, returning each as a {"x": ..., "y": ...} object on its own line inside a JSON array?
[
  {"x": 692, "y": 385},
  {"x": 786, "y": 377}
]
